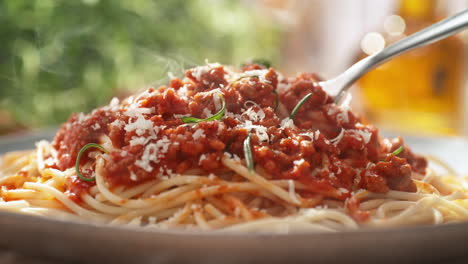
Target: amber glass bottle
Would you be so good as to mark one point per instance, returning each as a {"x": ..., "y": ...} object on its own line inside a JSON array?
[{"x": 420, "y": 91}]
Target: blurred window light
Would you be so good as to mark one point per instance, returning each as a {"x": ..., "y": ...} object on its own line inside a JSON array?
[
  {"x": 372, "y": 43},
  {"x": 394, "y": 25}
]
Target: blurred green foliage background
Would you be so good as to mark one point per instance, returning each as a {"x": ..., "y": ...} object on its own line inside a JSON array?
[{"x": 59, "y": 57}]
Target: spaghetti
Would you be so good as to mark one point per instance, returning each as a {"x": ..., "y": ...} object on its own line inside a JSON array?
[{"x": 277, "y": 155}]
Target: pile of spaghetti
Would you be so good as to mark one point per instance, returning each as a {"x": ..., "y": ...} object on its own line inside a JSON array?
[{"x": 231, "y": 150}]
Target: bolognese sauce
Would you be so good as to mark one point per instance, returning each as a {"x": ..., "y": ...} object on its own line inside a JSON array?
[{"x": 323, "y": 145}]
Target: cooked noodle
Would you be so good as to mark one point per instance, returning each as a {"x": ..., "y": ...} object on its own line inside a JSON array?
[{"x": 208, "y": 203}]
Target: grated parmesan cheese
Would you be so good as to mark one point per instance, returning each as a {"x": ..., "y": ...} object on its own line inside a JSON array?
[
  {"x": 199, "y": 133},
  {"x": 332, "y": 110},
  {"x": 310, "y": 135},
  {"x": 118, "y": 123},
  {"x": 133, "y": 111},
  {"x": 182, "y": 92},
  {"x": 140, "y": 126},
  {"x": 197, "y": 72},
  {"x": 254, "y": 116},
  {"x": 96, "y": 126},
  {"x": 287, "y": 123},
  {"x": 153, "y": 153},
  {"x": 232, "y": 115},
  {"x": 81, "y": 118},
  {"x": 232, "y": 156},
  {"x": 260, "y": 73},
  {"x": 386, "y": 142},
  {"x": 251, "y": 113},
  {"x": 221, "y": 127},
  {"x": 316, "y": 134},
  {"x": 343, "y": 190},
  {"x": 260, "y": 131},
  {"x": 139, "y": 141},
  {"x": 339, "y": 137},
  {"x": 114, "y": 104},
  {"x": 202, "y": 158},
  {"x": 206, "y": 113},
  {"x": 357, "y": 178},
  {"x": 93, "y": 154},
  {"x": 342, "y": 117},
  {"x": 365, "y": 135},
  {"x": 298, "y": 162}
]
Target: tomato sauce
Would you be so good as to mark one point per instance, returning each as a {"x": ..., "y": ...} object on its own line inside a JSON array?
[{"x": 325, "y": 146}]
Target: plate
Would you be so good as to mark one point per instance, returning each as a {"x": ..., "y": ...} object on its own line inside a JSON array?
[{"x": 69, "y": 241}]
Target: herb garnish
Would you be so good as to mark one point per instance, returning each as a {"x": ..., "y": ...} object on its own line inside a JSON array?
[
  {"x": 217, "y": 116},
  {"x": 276, "y": 100},
  {"x": 78, "y": 159},
  {"x": 298, "y": 106},
  {"x": 398, "y": 151},
  {"x": 263, "y": 62}
]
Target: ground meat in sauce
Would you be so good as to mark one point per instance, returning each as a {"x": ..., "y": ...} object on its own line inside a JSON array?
[{"x": 325, "y": 147}]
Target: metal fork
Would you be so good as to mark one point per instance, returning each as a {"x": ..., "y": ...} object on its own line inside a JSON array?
[{"x": 443, "y": 29}]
